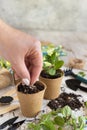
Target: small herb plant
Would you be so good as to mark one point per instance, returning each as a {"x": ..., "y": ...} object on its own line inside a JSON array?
[
  {"x": 58, "y": 120},
  {"x": 85, "y": 104},
  {"x": 4, "y": 64},
  {"x": 51, "y": 58},
  {"x": 81, "y": 73}
]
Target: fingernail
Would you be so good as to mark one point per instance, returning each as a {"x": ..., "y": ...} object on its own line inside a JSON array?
[{"x": 26, "y": 81}]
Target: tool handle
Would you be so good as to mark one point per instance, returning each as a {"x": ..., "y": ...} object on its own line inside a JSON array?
[
  {"x": 81, "y": 79},
  {"x": 83, "y": 88}
]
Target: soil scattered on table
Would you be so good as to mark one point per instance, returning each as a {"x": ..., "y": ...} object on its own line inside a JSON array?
[
  {"x": 6, "y": 99},
  {"x": 30, "y": 89},
  {"x": 64, "y": 99}
]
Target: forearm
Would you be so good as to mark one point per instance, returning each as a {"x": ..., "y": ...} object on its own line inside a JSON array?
[
  {"x": 22, "y": 51},
  {"x": 6, "y": 38},
  {"x": 5, "y": 32}
]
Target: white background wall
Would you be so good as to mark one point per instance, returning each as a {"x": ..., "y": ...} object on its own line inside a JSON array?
[
  {"x": 60, "y": 15},
  {"x": 59, "y": 21}
]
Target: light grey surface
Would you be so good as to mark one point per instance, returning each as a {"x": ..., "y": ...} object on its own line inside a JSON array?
[
  {"x": 18, "y": 111},
  {"x": 61, "y": 15}
]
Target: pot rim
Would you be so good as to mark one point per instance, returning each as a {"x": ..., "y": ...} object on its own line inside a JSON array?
[
  {"x": 53, "y": 78},
  {"x": 44, "y": 85}
]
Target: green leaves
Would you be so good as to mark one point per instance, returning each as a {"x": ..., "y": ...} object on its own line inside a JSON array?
[
  {"x": 45, "y": 117},
  {"x": 60, "y": 128},
  {"x": 37, "y": 127},
  {"x": 81, "y": 73},
  {"x": 66, "y": 111},
  {"x": 59, "y": 120},
  {"x": 4, "y": 64},
  {"x": 85, "y": 104},
  {"x": 48, "y": 125},
  {"x": 58, "y": 64},
  {"x": 81, "y": 122},
  {"x": 51, "y": 71},
  {"x": 51, "y": 58}
]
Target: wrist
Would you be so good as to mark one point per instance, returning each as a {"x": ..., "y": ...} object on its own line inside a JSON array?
[
  {"x": 5, "y": 32},
  {"x": 5, "y": 36}
]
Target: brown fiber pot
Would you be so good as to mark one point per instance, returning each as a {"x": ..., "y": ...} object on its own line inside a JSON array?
[
  {"x": 53, "y": 86},
  {"x": 31, "y": 103}
]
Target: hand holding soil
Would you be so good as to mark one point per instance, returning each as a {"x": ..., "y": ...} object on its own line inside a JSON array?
[{"x": 22, "y": 51}]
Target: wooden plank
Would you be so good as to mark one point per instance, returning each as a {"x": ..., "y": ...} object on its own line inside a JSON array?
[
  {"x": 10, "y": 92},
  {"x": 8, "y": 109}
]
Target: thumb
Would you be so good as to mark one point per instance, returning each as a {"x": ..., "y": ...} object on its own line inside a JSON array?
[{"x": 22, "y": 71}]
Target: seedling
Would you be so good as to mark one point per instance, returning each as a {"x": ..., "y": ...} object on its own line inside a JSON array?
[
  {"x": 85, "y": 104},
  {"x": 58, "y": 120},
  {"x": 81, "y": 73},
  {"x": 51, "y": 58},
  {"x": 4, "y": 64}
]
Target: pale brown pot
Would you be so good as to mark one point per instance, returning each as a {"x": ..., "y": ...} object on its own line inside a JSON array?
[
  {"x": 6, "y": 78},
  {"x": 53, "y": 86},
  {"x": 31, "y": 103}
]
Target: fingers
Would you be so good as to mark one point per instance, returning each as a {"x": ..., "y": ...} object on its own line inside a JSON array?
[
  {"x": 29, "y": 65},
  {"x": 21, "y": 70},
  {"x": 35, "y": 69},
  {"x": 35, "y": 72},
  {"x": 16, "y": 76}
]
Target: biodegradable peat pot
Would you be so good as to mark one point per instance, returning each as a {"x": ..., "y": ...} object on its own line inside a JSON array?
[
  {"x": 53, "y": 86},
  {"x": 30, "y": 102},
  {"x": 6, "y": 78}
]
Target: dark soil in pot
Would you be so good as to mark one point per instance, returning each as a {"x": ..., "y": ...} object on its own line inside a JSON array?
[
  {"x": 31, "y": 98},
  {"x": 30, "y": 89},
  {"x": 45, "y": 75}
]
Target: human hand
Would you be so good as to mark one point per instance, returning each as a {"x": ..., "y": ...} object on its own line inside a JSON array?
[{"x": 24, "y": 53}]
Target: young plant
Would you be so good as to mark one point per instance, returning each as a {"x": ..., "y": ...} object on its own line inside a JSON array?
[
  {"x": 58, "y": 120},
  {"x": 4, "y": 64},
  {"x": 85, "y": 104},
  {"x": 51, "y": 58},
  {"x": 81, "y": 73}
]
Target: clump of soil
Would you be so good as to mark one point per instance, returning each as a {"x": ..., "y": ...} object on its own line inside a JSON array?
[
  {"x": 64, "y": 99},
  {"x": 30, "y": 89},
  {"x": 45, "y": 75},
  {"x": 6, "y": 99}
]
